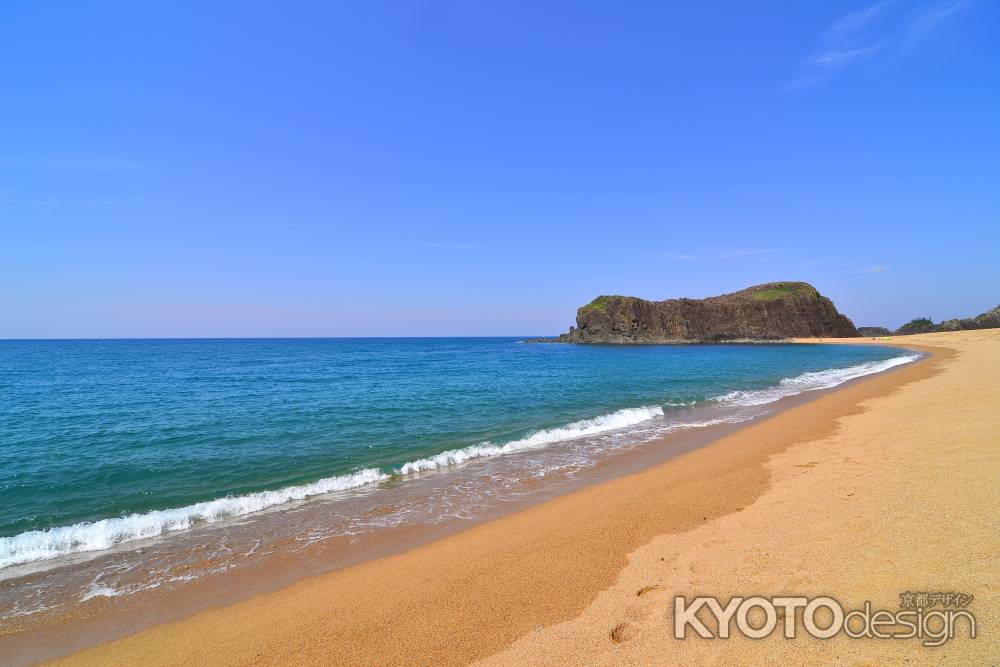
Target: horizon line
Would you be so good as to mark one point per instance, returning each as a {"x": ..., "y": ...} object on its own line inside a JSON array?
[{"x": 123, "y": 338}]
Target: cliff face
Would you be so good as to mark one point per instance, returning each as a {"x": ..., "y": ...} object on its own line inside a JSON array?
[{"x": 764, "y": 312}]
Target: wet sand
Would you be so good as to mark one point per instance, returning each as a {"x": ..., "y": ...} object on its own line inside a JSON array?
[{"x": 885, "y": 485}]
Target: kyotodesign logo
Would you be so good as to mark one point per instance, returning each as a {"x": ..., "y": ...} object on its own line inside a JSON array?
[{"x": 757, "y": 617}]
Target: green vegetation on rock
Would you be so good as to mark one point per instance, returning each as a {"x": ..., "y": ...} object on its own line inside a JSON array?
[
  {"x": 917, "y": 325},
  {"x": 600, "y": 303},
  {"x": 773, "y": 291},
  {"x": 988, "y": 320},
  {"x": 772, "y": 311}
]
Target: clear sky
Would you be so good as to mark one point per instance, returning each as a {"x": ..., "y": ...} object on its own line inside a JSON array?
[{"x": 483, "y": 168}]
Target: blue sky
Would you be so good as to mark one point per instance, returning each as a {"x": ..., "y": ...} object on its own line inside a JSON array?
[{"x": 453, "y": 168}]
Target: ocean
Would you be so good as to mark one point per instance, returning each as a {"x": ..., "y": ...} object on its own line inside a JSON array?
[{"x": 133, "y": 465}]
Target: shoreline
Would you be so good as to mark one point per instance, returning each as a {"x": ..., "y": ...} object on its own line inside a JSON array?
[
  {"x": 83, "y": 538},
  {"x": 898, "y": 497},
  {"x": 523, "y": 567},
  {"x": 99, "y": 618}
]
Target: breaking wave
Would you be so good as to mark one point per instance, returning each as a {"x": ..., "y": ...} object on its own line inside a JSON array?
[
  {"x": 51, "y": 543},
  {"x": 40, "y": 545},
  {"x": 584, "y": 427},
  {"x": 811, "y": 382}
]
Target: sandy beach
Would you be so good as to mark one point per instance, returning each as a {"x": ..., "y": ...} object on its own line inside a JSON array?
[
  {"x": 476, "y": 333},
  {"x": 883, "y": 486}
]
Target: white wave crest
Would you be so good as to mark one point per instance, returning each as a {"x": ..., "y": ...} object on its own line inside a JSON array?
[
  {"x": 811, "y": 382},
  {"x": 51, "y": 543},
  {"x": 731, "y": 419},
  {"x": 98, "y": 591},
  {"x": 40, "y": 545},
  {"x": 609, "y": 422}
]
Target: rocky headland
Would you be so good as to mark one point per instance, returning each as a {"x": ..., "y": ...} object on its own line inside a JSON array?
[{"x": 773, "y": 311}]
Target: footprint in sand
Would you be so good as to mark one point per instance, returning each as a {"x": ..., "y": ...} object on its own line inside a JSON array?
[{"x": 624, "y": 632}]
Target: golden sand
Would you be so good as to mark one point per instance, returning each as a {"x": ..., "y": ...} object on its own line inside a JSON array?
[{"x": 887, "y": 485}]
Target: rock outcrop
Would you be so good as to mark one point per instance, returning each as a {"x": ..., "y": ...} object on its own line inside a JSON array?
[
  {"x": 773, "y": 311},
  {"x": 917, "y": 326},
  {"x": 988, "y": 320}
]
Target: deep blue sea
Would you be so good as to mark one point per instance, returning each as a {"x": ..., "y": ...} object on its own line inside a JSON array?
[{"x": 107, "y": 442}]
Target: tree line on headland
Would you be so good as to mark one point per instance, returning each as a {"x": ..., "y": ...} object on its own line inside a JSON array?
[{"x": 988, "y": 320}]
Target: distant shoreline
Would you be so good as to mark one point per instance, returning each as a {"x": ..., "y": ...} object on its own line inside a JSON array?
[{"x": 678, "y": 341}]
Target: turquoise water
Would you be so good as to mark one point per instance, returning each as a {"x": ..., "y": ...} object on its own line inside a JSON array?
[{"x": 198, "y": 430}]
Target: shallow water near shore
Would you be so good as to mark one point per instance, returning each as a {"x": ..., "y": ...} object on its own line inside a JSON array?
[{"x": 139, "y": 467}]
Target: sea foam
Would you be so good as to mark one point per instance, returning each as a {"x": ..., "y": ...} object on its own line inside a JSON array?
[
  {"x": 609, "y": 422},
  {"x": 51, "y": 543},
  {"x": 40, "y": 545},
  {"x": 811, "y": 382}
]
